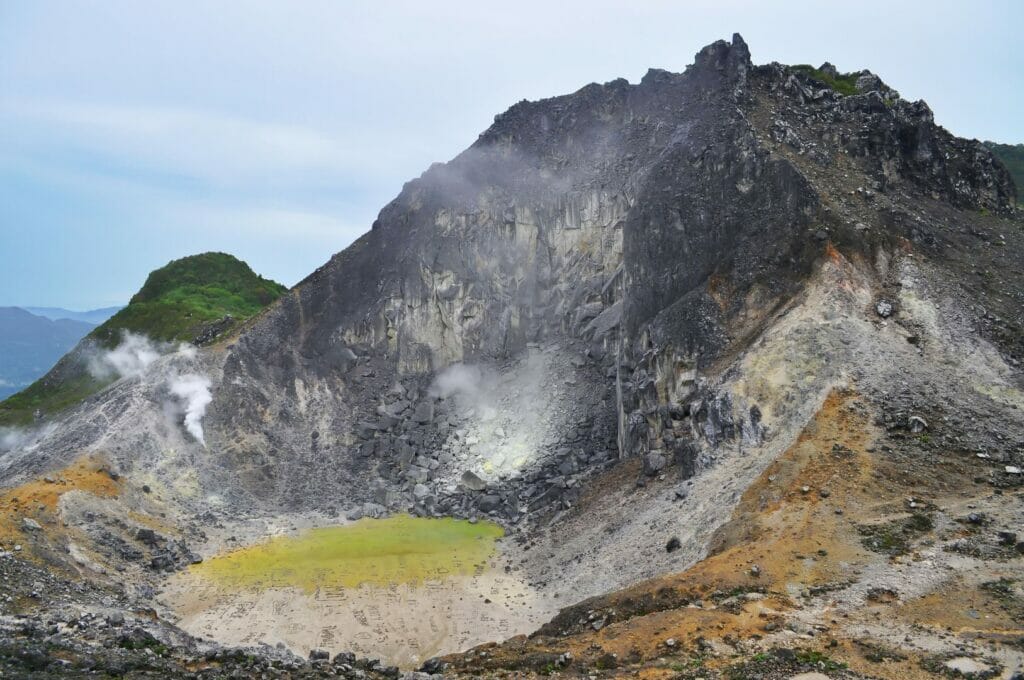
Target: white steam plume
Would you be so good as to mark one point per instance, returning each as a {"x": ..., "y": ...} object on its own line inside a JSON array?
[
  {"x": 194, "y": 392},
  {"x": 457, "y": 379},
  {"x": 130, "y": 358},
  {"x": 25, "y": 439},
  {"x": 12, "y": 438}
]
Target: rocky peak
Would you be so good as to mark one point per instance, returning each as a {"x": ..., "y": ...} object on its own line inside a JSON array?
[
  {"x": 725, "y": 65},
  {"x": 732, "y": 57}
]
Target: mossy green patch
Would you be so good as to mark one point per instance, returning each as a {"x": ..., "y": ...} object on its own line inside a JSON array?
[
  {"x": 843, "y": 83},
  {"x": 399, "y": 549}
]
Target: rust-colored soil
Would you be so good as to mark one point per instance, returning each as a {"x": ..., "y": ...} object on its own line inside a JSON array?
[
  {"x": 38, "y": 499},
  {"x": 797, "y": 529}
]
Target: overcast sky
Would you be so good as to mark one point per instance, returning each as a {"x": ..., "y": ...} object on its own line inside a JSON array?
[{"x": 133, "y": 133}]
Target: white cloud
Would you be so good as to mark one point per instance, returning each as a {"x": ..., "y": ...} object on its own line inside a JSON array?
[
  {"x": 275, "y": 222},
  {"x": 199, "y": 144}
]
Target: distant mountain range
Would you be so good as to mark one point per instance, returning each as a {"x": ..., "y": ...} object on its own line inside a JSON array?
[
  {"x": 94, "y": 316},
  {"x": 30, "y": 344}
]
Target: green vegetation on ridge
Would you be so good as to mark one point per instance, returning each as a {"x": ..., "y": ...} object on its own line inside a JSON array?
[
  {"x": 1012, "y": 156},
  {"x": 181, "y": 299},
  {"x": 843, "y": 83},
  {"x": 195, "y": 299}
]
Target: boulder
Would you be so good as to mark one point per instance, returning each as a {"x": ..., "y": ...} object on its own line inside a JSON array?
[
  {"x": 472, "y": 481},
  {"x": 147, "y": 536},
  {"x": 347, "y": 658},
  {"x": 489, "y": 502},
  {"x": 424, "y": 412},
  {"x": 654, "y": 462},
  {"x": 417, "y": 474},
  {"x": 365, "y": 430}
]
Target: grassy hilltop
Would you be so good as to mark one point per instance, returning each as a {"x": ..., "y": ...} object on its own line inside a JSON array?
[{"x": 196, "y": 299}]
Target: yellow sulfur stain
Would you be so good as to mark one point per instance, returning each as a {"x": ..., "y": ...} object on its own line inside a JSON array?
[{"x": 400, "y": 549}]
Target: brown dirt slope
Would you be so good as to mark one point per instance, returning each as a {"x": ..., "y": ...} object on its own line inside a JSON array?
[{"x": 835, "y": 552}]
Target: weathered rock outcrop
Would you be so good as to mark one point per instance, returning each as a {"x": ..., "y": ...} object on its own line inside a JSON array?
[
  {"x": 604, "y": 252},
  {"x": 661, "y": 210}
]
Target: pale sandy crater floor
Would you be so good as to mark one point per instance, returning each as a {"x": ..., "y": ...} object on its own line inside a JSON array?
[{"x": 401, "y": 623}]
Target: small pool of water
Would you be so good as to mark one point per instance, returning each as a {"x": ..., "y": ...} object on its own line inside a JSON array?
[{"x": 396, "y": 550}]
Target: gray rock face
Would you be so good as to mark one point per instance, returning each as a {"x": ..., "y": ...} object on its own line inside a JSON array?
[
  {"x": 636, "y": 233},
  {"x": 635, "y": 219}
]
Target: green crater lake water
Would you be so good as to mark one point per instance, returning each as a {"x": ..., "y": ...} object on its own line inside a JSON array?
[{"x": 399, "y": 549}]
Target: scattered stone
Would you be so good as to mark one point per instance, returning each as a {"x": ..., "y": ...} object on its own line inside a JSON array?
[
  {"x": 671, "y": 643},
  {"x": 29, "y": 524},
  {"x": 319, "y": 655},
  {"x": 673, "y": 544},
  {"x": 882, "y": 595},
  {"x": 917, "y": 424},
  {"x": 147, "y": 536},
  {"x": 347, "y": 658},
  {"x": 433, "y": 666},
  {"x": 654, "y": 462},
  {"x": 1007, "y": 537},
  {"x": 801, "y": 628},
  {"x": 489, "y": 502},
  {"x": 884, "y": 309},
  {"x": 424, "y": 412}
]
